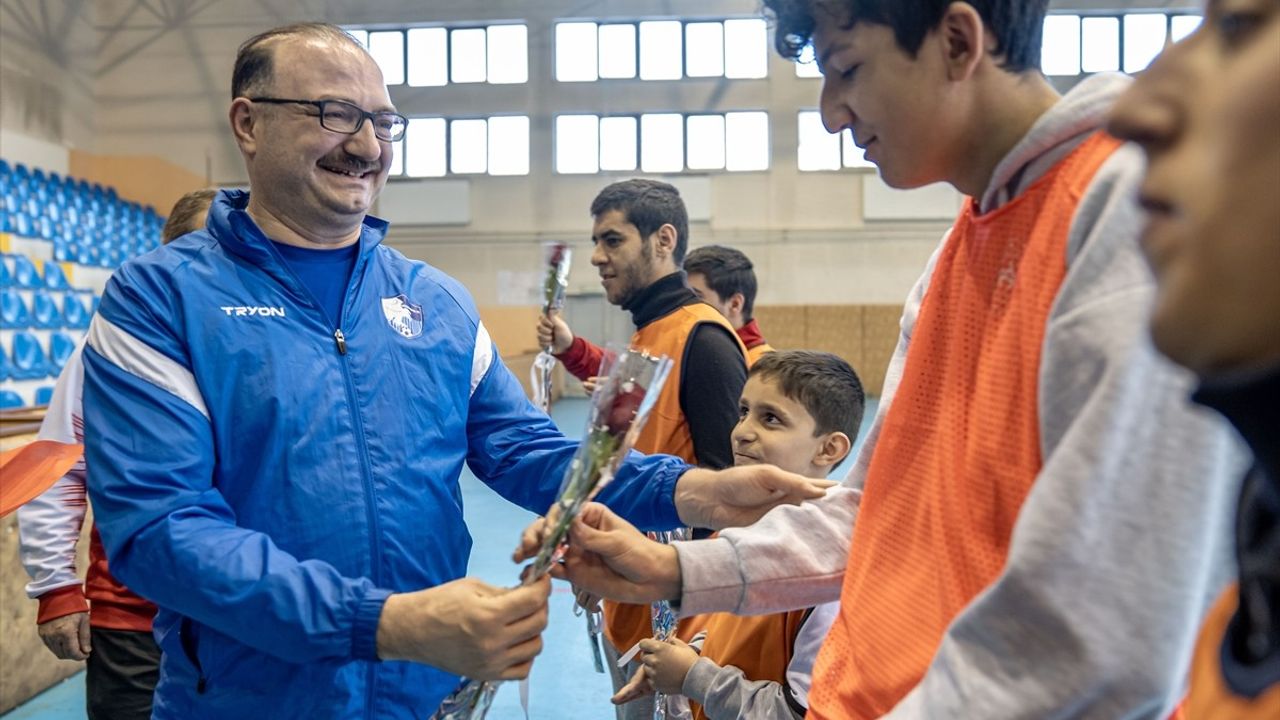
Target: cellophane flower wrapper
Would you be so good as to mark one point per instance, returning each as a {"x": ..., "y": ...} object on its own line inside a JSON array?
[
  {"x": 619, "y": 409},
  {"x": 557, "y": 257},
  {"x": 664, "y": 619}
]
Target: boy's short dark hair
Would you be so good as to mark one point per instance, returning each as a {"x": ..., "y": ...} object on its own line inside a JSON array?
[
  {"x": 1018, "y": 25},
  {"x": 823, "y": 383},
  {"x": 182, "y": 218},
  {"x": 647, "y": 204},
  {"x": 727, "y": 271}
]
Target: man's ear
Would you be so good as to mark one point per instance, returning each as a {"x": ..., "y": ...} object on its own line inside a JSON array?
[
  {"x": 964, "y": 40},
  {"x": 737, "y": 301},
  {"x": 244, "y": 125},
  {"x": 835, "y": 448},
  {"x": 665, "y": 241}
]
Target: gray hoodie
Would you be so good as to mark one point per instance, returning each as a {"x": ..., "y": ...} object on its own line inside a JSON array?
[{"x": 1124, "y": 539}]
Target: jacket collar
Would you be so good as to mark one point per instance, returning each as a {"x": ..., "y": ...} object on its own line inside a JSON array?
[
  {"x": 750, "y": 335},
  {"x": 1251, "y": 402}
]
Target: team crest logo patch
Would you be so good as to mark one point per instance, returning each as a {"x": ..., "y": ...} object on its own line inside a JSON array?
[{"x": 403, "y": 316}]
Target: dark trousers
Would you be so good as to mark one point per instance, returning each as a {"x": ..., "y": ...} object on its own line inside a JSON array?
[{"x": 121, "y": 674}]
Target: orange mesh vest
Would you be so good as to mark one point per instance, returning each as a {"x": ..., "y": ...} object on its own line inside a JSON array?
[
  {"x": 1211, "y": 698},
  {"x": 666, "y": 431},
  {"x": 960, "y": 446},
  {"x": 753, "y": 354},
  {"x": 760, "y": 646}
]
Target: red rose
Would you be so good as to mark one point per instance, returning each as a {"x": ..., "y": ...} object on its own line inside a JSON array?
[{"x": 623, "y": 409}]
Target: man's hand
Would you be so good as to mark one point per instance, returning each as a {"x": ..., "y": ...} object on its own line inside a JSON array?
[
  {"x": 467, "y": 627},
  {"x": 609, "y": 558},
  {"x": 739, "y": 496},
  {"x": 637, "y": 687},
  {"x": 667, "y": 663},
  {"x": 67, "y": 636},
  {"x": 553, "y": 332}
]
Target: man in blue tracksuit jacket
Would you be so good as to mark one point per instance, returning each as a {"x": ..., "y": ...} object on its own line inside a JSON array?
[{"x": 278, "y": 409}]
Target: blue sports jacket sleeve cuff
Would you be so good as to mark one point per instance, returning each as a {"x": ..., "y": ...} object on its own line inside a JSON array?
[
  {"x": 644, "y": 491},
  {"x": 364, "y": 641}
]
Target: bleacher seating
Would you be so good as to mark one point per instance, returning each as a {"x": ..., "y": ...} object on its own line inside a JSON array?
[{"x": 57, "y": 230}]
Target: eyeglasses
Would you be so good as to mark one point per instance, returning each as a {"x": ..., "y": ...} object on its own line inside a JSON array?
[{"x": 343, "y": 117}]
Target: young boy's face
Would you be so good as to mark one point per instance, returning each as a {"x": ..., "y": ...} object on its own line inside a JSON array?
[
  {"x": 773, "y": 429},
  {"x": 1207, "y": 114},
  {"x": 900, "y": 109}
]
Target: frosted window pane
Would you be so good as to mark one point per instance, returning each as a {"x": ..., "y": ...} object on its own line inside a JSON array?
[
  {"x": 661, "y": 142},
  {"x": 576, "y": 52},
  {"x": 746, "y": 49},
  {"x": 852, "y": 156},
  {"x": 424, "y": 147},
  {"x": 467, "y": 55},
  {"x": 509, "y": 145},
  {"x": 807, "y": 65},
  {"x": 428, "y": 57},
  {"x": 746, "y": 137},
  {"x": 508, "y": 54},
  {"x": 1060, "y": 53},
  {"x": 1144, "y": 36},
  {"x": 387, "y": 49},
  {"x": 578, "y": 144},
  {"x": 397, "y": 158},
  {"x": 1182, "y": 26},
  {"x": 618, "y": 143},
  {"x": 818, "y": 149},
  {"x": 617, "y": 51},
  {"x": 706, "y": 142},
  {"x": 468, "y": 146},
  {"x": 704, "y": 49},
  {"x": 1101, "y": 52},
  {"x": 661, "y": 50}
]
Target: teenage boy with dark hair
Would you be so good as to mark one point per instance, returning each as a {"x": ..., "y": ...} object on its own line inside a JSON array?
[
  {"x": 725, "y": 279},
  {"x": 1037, "y": 519},
  {"x": 800, "y": 411}
]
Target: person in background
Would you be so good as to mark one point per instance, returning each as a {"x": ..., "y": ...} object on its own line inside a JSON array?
[
  {"x": 99, "y": 620},
  {"x": 725, "y": 279},
  {"x": 1207, "y": 115}
]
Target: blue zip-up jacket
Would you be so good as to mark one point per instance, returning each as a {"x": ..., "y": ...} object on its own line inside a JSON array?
[{"x": 268, "y": 480}]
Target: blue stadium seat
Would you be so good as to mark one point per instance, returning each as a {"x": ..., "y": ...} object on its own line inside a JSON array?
[
  {"x": 61, "y": 345},
  {"x": 22, "y": 225},
  {"x": 74, "y": 313},
  {"x": 5, "y": 370},
  {"x": 5, "y": 169},
  {"x": 21, "y": 172},
  {"x": 10, "y": 400},
  {"x": 54, "y": 277},
  {"x": 24, "y": 272},
  {"x": 13, "y": 310},
  {"x": 28, "y": 359},
  {"x": 44, "y": 395},
  {"x": 44, "y": 311},
  {"x": 5, "y": 278}
]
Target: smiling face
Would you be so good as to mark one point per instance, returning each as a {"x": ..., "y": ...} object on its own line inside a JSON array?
[
  {"x": 1207, "y": 114},
  {"x": 900, "y": 108},
  {"x": 776, "y": 430},
  {"x": 312, "y": 179},
  {"x": 627, "y": 263}
]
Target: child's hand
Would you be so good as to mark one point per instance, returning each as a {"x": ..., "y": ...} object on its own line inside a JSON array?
[
  {"x": 667, "y": 663},
  {"x": 637, "y": 687}
]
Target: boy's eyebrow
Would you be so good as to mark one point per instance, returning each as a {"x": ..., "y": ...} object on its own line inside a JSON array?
[
  {"x": 771, "y": 408},
  {"x": 825, "y": 57}
]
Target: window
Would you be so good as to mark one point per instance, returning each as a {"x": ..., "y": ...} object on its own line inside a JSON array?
[
  {"x": 434, "y": 147},
  {"x": 668, "y": 142},
  {"x": 387, "y": 49},
  {"x": 1077, "y": 44},
  {"x": 661, "y": 50},
  {"x": 1144, "y": 38},
  {"x": 434, "y": 56},
  {"x": 1100, "y": 44},
  {"x": 1060, "y": 52},
  {"x": 821, "y": 150}
]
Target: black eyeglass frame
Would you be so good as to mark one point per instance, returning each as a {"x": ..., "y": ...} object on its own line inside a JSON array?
[{"x": 372, "y": 117}]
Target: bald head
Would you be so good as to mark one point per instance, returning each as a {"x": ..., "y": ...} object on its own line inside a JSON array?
[{"x": 255, "y": 60}]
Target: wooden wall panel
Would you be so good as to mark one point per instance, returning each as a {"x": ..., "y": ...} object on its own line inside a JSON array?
[
  {"x": 880, "y": 331},
  {"x": 836, "y": 329},
  {"x": 783, "y": 326}
]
